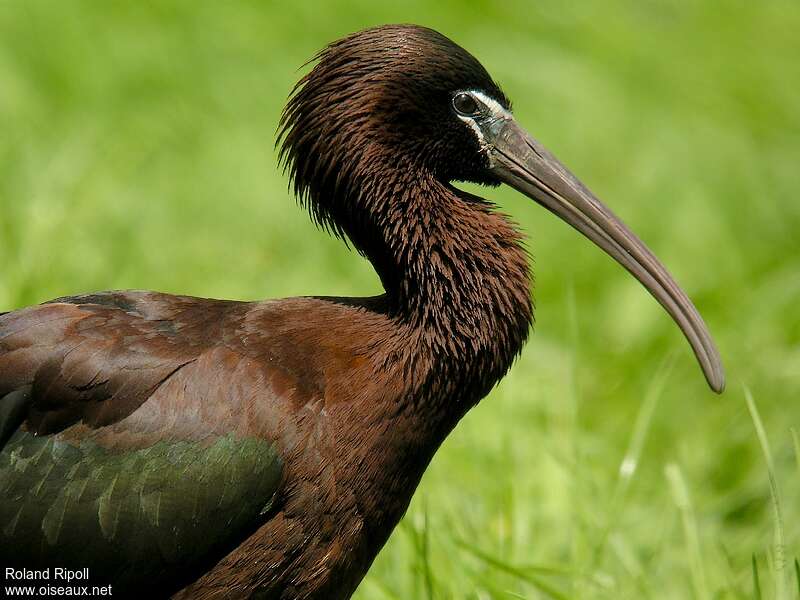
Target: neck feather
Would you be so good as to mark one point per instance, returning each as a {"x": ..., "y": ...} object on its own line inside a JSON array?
[{"x": 454, "y": 271}]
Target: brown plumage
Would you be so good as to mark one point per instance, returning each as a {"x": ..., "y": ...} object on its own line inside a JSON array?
[{"x": 219, "y": 449}]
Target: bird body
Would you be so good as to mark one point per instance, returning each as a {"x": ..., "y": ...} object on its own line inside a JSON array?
[
  {"x": 161, "y": 430},
  {"x": 217, "y": 449}
]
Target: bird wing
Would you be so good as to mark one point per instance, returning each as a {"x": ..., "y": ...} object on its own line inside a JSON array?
[{"x": 121, "y": 444}]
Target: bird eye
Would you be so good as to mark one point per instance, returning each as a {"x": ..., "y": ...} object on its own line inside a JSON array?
[{"x": 465, "y": 104}]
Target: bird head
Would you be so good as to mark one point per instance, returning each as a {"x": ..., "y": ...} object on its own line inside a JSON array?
[{"x": 389, "y": 93}]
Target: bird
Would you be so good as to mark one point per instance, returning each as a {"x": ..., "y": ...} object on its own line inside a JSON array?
[{"x": 197, "y": 448}]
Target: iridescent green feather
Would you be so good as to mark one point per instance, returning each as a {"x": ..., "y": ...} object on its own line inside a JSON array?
[{"x": 156, "y": 513}]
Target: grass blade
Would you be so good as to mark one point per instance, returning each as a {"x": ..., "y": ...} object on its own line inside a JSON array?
[
  {"x": 419, "y": 533},
  {"x": 680, "y": 494},
  {"x": 633, "y": 453},
  {"x": 780, "y": 545},
  {"x": 796, "y": 443},
  {"x": 524, "y": 574},
  {"x": 756, "y": 583},
  {"x": 641, "y": 427},
  {"x": 426, "y": 553},
  {"x": 797, "y": 576}
]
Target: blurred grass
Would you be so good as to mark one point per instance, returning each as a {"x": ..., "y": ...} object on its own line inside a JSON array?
[{"x": 136, "y": 151}]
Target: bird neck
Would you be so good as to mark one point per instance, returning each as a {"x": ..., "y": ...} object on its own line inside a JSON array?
[
  {"x": 456, "y": 313},
  {"x": 455, "y": 274}
]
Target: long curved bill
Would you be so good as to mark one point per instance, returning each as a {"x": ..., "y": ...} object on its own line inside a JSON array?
[{"x": 524, "y": 164}]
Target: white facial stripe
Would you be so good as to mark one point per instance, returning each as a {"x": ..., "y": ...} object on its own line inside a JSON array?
[
  {"x": 493, "y": 105},
  {"x": 474, "y": 126}
]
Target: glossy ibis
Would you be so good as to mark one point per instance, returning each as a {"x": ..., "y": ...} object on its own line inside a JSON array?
[{"x": 218, "y": 449}]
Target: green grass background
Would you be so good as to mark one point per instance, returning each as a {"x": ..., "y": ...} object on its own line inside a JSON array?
[{"x": 136, "y": 151}]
